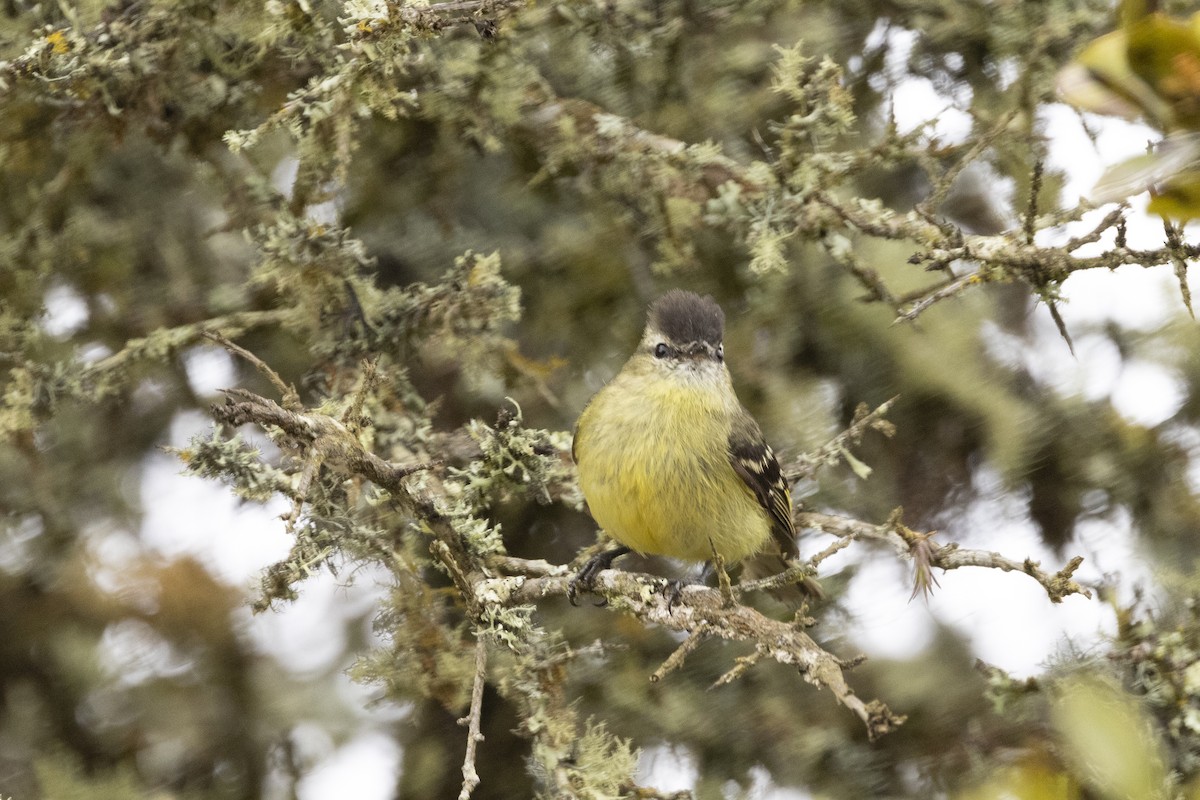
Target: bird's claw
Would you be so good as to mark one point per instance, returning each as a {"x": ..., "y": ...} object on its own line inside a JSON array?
[
  {"x": 584, "y": 583},
  {"x": 673, "y": 590},
  {"x": 586, "y": 579}
]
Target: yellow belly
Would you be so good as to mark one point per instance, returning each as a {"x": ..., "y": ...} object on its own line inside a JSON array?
[{"x": 657, "y": 477}]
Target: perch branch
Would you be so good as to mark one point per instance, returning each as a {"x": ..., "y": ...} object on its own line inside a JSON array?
[
  {"x": 698, "y": 612},
  {"x": 701, "y": 608}
]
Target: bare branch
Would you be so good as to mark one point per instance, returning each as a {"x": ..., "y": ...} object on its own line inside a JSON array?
[
  {"x": 947, "y": 557},
  {"x": 943, "y": 183},
  {"x": 946, "y": 290},
  {"x": 1111, "y": 219},
  {"x": 172, "y": 339},
  {"x": 1061, "y": 325},
  {"x": 676, "y": 659},
  {"x": 287, "y": 392},
  {"x": 807, "y": 464},
  {"x": 474, "y": 737},
  {"x": 740, "y": 667},
  {"x": 1179, "y": 260}
]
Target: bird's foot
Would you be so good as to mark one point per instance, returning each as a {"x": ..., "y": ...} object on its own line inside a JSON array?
[
  {"x": 673, "y": 590},
  {"x": 586, "y": 579}
]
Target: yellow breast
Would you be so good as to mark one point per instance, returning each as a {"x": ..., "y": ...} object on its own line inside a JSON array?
[{"x": 654, "y": 467}]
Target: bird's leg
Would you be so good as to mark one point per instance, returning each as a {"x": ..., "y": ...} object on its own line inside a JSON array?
[
  {"x": 674, "y": 588},
  {"x": 586, "y": 578},
  {"x": 718, "y": 565}
]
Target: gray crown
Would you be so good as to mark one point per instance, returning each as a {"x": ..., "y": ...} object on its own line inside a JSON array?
[{"x": 685, "y": 317}]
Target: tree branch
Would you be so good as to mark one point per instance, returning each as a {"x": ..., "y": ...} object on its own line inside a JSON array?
[
  {"x": 947, "y": 557},
  {"x": 474, "y": 737},
  {"x": 99, "y": 374},
  {"x": 807, "y": 464},
  {"x": 577, "y": 135},
  {"x": 698, "y": 611},
  {"x": 701, "y": 609},
  {"x": 331, "y": 438}
]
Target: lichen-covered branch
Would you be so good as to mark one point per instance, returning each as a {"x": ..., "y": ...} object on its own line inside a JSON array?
[
  {"x": 102, "y": 374},
  {"x": 698, "y": 611},
  {"x": 701, "y": 611},
  {"x": 483, "y": 593},
  {"x": 428, "y": 18},
  {"x": 320, "y": 432},
  {"x": 576, "y": 135}
]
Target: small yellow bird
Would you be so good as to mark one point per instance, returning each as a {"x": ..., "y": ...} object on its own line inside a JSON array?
[{"x": 669, "y": 460}]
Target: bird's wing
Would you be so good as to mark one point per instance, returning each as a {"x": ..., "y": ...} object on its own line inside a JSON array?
[{"x": 755, "y": 463}]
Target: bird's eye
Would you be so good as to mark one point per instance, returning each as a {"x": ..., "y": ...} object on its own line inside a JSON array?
[
  {"x": 661, "y": 350},
  {"x": 720, "y": 352}
]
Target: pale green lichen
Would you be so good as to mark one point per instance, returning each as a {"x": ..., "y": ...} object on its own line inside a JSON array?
[
  {"x": 515, "y": 460},
  {"x": 481, "y": 537},
  {"x": 602, "y": 765},
  {"x": 513, "y": 626},
  {"x": 424, "y": 653},
  {"x": 234, "y": 462}
]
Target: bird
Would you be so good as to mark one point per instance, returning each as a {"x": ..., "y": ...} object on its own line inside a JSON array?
[{"x": 670, "y": 462}]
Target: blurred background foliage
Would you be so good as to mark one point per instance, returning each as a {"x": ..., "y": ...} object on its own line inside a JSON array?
[{"x": 330, "y": 181}]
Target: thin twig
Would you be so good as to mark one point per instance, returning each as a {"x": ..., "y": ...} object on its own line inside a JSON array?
[
  {"x": 677, "y": 657},
  {"x": 1175, "y": 245},
  {"x": 723, "y": 582},
  {"x": 838, "y": 544},
  {"x": 474, "y": 737},
  {"x": 1031, "y": 213},
  {"x": 795, "y": 573},
  {"x": 739, "y": 668},
  {"x": 353, "y": 413},
  {"x": 1061, "y": 325},
  {"x": 943, "y": 184},
  {"x": 830, "y": 453},
  {"x": 312, "y": 464},
  {"x": 287, "y": 393},
  {"x": 1111, "y": 219},
  {"x": 950, "y": 289}
]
